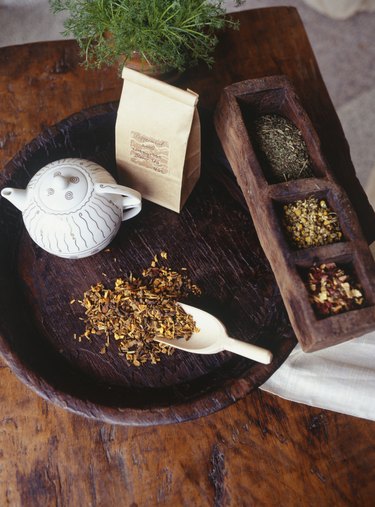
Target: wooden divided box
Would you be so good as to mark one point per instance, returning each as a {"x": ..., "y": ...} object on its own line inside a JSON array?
[{"x": 240, "y": 105}]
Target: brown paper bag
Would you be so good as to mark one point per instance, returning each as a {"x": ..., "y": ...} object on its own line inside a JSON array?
[{"x": 157, "y": 139}]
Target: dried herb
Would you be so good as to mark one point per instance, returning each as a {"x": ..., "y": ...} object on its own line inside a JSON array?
[
  {"x": 282, "y": 148},
  {"x": 332, "y": 290},
  {"x": 311, "y": 222},
  {"x": 137, "y": 310}
]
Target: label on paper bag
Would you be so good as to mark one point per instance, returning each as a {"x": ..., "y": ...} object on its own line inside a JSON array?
[{"x": 158, "y": 140}]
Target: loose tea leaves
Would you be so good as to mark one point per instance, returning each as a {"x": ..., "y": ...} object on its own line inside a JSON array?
[
  {"x": 311, "y": 222},
  {"x": 137, "y": 310},
  {"x": 332, "y": 290},
  {"x": 282, "y": 148}
]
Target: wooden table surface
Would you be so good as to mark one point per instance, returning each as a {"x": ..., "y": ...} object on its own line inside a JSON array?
[{"x": 260, "y": 451}]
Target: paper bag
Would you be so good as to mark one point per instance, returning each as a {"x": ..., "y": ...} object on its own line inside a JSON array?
[{"x": 157, "y": 140}]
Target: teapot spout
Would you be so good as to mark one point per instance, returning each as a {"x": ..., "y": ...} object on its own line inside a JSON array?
[{"x": 16, "y": 196}]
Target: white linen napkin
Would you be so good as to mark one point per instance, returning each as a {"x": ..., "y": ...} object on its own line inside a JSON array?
[{"x": 339, "y": 378}]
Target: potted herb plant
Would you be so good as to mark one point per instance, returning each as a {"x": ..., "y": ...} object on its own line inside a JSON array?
[{"x": 160, "y": 34}]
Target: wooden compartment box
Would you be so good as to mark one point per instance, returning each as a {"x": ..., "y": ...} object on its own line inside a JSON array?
[{"x": 240, "y": 104}]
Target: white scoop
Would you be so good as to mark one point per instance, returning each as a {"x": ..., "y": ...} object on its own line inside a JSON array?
[{"x": 212, "y": 338}]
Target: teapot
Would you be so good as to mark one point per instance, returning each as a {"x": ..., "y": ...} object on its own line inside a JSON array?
[{"x": 73, "y": 207}]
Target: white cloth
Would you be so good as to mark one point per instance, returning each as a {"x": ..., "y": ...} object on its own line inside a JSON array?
[{"x": 339, "y": 378}]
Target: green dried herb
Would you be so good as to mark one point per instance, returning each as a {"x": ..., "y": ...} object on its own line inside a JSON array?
[
  {"x": 332, "y": 290},
  {"x": 137, "y": 310},
  {"x": 282, "y": 148},
  {"x": 311, "y": 222}
]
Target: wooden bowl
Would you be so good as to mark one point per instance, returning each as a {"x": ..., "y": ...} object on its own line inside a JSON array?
[
  {"x": 239, "y": 105},
  {"x": 213, "y": 237}
]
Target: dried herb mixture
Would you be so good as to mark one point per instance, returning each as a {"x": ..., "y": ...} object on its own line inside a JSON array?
[
  {"x": 311, "y": 222},
  {"x": 283, "y": 148},
  {"x": 332, "y": 290},
  {"x": 137, "y": 310}
]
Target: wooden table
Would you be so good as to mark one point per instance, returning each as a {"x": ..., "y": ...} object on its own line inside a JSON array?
[{"x": 261, "y": 451}]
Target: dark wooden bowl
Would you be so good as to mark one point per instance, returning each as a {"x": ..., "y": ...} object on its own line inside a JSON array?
[
  {"x": 213, "y": 237},
  {"x": 239, "y": 105}
]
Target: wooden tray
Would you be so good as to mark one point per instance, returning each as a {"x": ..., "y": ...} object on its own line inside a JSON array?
[
  {"x": 240, "y": 104},
  {"x": 213, "y": 237}
]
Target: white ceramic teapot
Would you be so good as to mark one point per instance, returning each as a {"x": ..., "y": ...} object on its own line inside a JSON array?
[{"x": 73, "y": 208}]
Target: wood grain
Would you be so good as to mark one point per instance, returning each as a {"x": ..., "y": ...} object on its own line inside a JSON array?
[{"x": 261, "y": 451}]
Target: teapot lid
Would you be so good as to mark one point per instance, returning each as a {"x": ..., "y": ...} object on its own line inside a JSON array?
[{"x": 63, "y": 186}]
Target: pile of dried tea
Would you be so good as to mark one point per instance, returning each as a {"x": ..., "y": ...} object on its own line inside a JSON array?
[
  {"x": 311, "y": 222},
  {"x": 282, "y": 147},
  {"x": 333, "y": 291},
  {"x": 137, "y": 310}
]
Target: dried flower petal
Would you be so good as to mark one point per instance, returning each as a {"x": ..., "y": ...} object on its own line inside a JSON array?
[
  {"x": 137, "y": 310},
  {"x": 332, "y": 290},
  {"x": 311, "y": 222}
]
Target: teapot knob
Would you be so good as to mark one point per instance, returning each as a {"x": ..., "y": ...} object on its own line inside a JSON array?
[{"x": 60, "y": 182}]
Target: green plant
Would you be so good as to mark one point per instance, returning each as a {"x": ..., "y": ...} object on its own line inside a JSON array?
[{"x": 165, "y": 33}]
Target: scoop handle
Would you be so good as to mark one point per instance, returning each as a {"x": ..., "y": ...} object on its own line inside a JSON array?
[{"x": 248, "y": 350}]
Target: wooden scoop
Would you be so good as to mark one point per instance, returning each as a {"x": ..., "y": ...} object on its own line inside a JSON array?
[{"x": 212, "y": 338}]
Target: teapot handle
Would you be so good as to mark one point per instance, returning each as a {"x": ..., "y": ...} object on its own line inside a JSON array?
[{"x": 131, "y": 199}]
